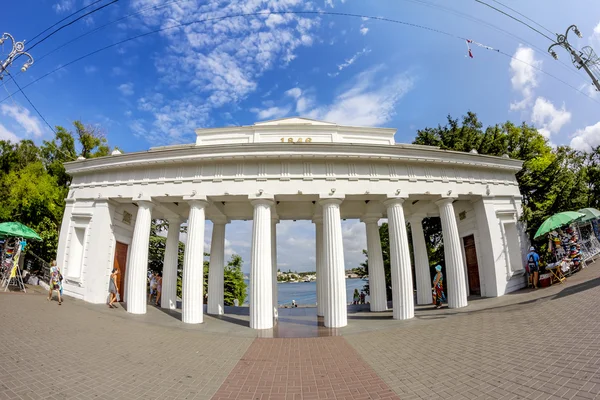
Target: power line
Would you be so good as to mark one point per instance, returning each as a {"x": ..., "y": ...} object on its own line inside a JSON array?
[
  {"x": 30, "y": 102},
  {"x": 65, "y": 18},
  {"x": 524, "y": 16},
  {"x": 515, "y": 18},
  {"x": 71, "y": 23},
  {"x": 107, "y": 24},
  {"x": 243, "y": 15},
  {"x": 480, "y": 21}
]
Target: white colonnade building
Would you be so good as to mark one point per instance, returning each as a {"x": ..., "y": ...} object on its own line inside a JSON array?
[{"x": 293, "y": 168}]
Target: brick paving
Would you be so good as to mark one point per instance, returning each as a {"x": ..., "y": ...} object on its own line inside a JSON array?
[
  {"x": 310, "y": 369},
  {"x": 534, "y": 345}
]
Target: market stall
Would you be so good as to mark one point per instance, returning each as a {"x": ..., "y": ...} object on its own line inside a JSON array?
[
  {"x": 563, "y": 243},
  {"x": 14, "y": 236},
  {"x": 590, "y": 246}
]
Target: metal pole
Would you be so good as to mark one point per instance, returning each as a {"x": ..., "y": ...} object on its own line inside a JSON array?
[
  {"x": 562, "y": 41},
  {"x": 18, "y": 49}
]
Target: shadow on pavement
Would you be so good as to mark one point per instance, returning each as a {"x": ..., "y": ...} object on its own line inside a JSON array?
[{"x": 577, "y": 288}]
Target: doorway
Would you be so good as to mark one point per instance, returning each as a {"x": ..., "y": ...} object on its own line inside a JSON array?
[
  {"x": 472, "y": 266},
  {"x": 120, "y": 264}
]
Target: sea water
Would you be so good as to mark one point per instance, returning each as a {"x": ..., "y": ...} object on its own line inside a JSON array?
[{"x": 305, "y": 293}]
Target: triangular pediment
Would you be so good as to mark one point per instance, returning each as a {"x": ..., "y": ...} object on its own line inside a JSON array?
[{"x": 294, "y": 121}]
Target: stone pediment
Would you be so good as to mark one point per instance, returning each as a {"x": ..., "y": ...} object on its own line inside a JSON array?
[{"x": 295, "y": 130}]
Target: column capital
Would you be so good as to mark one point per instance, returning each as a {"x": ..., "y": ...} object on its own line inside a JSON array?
[
  {"x": 174, "y": 220},
  {"x": 416, "y": 218},
  {"x": 445, "y": 200},
  {"x": 258, "y": 201},
  {"x": 220, "y": 220},
  {"x": 371, "y": 218},
  {"x": 200, "y": 203},
  {"x": 317, "y": 219},
  {"x": 194, "y": 196},
  {"x": 145, "y": 204},
  {"x": 261, "y": 195},
  {"x": 330, "y": 200},
  {"x": 390, "y": 201}
]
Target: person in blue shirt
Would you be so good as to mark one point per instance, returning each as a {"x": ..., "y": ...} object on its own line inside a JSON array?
[{"x": 533, "y": 266}]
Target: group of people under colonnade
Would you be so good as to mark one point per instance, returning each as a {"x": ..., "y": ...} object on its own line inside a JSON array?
[{"x": 113, "y": 200}]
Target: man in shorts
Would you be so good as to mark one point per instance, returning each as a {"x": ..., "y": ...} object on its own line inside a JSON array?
[{"x": 533, "y": 266}]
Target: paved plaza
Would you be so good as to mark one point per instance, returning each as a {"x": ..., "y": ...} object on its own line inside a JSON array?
[{"x": 541, "y": 344}]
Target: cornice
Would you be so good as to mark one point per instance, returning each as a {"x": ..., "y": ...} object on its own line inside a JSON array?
[{"x": 339, "y": 151}]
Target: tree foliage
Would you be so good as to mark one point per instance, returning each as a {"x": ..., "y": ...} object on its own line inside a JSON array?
[
  {"x": 34, "y": 184},
  {"x": 551, "y": 180}
]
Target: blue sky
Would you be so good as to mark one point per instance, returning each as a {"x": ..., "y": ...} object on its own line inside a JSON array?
[{"x": 158, "y": 89}]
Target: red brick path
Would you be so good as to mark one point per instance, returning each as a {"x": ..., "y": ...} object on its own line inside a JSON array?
[{"x": 314, "y": 368}]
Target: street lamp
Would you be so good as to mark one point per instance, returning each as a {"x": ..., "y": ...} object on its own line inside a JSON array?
[
  {"x": 18, "y": 48},
  {"x": 586, "y": 59}
]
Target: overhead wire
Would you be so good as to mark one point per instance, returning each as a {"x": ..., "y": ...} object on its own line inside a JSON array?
[
  {"x": 524, "y": 16},
  {"x": 70, "y": 23},
  {"x": 38, "y": 59},
  {"x": 515, "y": 18},
  {"x": 504, "y": 31},
  {"x": 30, "y": 102},
  {"x": 266, "y": 13},
  {"x": 65, "y": 18}
]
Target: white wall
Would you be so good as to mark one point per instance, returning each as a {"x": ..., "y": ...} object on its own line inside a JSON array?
[
  {"x": 87, "y": 268},
  {"x": 502, "y": 261}
]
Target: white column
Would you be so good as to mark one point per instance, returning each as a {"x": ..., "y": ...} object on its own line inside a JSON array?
[
  {"x": 169, "y": 283},
  {"x": 455, "y": 269},
  {"x": 216, "y": 269},
  {"x": 192, "y": 293},
  {"x": 274, "y": 222},
  {"x": 261, "y": 278},
  {"x": 401, "y": 273},
  {"x": 137, "y": 269},
  {"x": 377, "y": 289},
  {"x": 422, "y": 274},
  {"x": 336, "y": 311},
  {"x": 321, "y": 295}
]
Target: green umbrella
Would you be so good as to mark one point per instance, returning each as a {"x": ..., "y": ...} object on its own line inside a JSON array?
[
  {"x": 17, "y": 229},
  {"x": 590, "y": 214},
  {"x": 558, "y": 220}
]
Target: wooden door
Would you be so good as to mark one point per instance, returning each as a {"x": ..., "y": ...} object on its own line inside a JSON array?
[
  {"x": 120, "y": 264},
  {"x": 472, "y": 266}
]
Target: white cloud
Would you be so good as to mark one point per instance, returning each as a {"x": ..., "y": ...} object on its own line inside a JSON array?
[
  {"x": 350, "y": 61},
  {"x": 271, "y": 112},
  {"x": 23, "y": 117},
  {"x": 218, "y": 63},
  {"x": 587, "y": 138},
  {"x": 354, "y": 237},
  {"x": 64, "y": 6},
  {"x": 595, "y": 37},
  {"x": 5, "y": 134},
  {"x": 294, "y": 92},
  {"x": 368, "y": 101},
  {"x": 90, "y": 69},
  {"x": 364, "y": 30},
  {"x": 550, "y": 119},
  {"x": 524, "y": 76},
  {"x": 126, "y": 89}
]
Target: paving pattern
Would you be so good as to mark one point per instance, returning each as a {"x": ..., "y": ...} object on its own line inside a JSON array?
[
  {"x": 535, "y": 344},
  {"x": 310, "y": 369}
]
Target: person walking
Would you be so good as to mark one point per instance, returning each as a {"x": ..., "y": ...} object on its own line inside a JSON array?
[
  {"x": 533, "y": 266},
  {"x": 362, "y": 297},
  {"x": 55, "y": 282},
  {"x": 159, "y": 288},
  {"x": 113, "y": 288},
  {"x": 438, "y": 287},
  {"x": 153, "y": 283},
  {"x": 356, "y": 297}
]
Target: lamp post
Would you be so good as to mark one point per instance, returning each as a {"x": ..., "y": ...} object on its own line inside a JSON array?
[
  {"x": 18, "y": 48},
  {"x": 586, "y": 58}
]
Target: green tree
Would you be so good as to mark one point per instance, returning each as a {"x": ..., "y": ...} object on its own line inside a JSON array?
[{"x": 235, "y": 286}]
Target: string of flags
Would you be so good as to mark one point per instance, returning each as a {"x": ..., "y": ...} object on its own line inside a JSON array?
[{"x": 470, "y": 51}]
